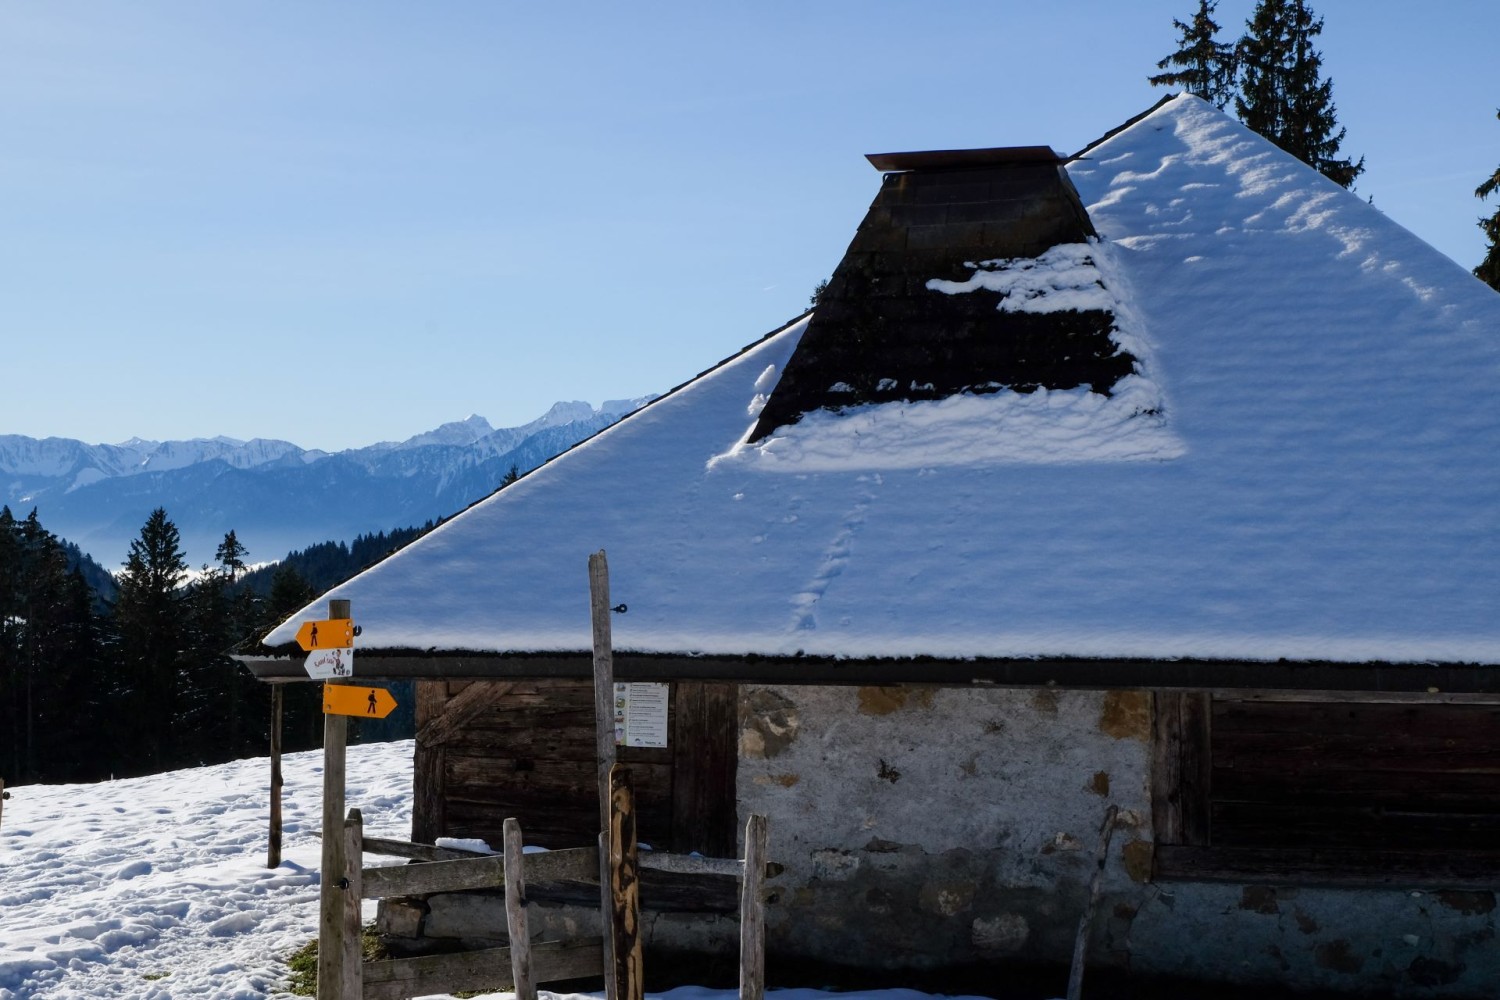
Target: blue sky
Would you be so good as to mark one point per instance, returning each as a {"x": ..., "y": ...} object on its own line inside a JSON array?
[{"x": 339, "y": 223}]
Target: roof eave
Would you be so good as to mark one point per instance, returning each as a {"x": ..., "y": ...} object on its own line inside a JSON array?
[{"x": 1404, "y": 679}]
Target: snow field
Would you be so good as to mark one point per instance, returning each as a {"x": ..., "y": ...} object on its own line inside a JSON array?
[{"x": 156, "y": 888}]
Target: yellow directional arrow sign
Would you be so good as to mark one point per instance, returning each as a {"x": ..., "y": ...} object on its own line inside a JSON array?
[
  {"x": 350, "y": 699},
  {"x": 332, "y": 633}
]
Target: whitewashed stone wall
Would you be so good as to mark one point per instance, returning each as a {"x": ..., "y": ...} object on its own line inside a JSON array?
[{"x": 932, "y": 826}]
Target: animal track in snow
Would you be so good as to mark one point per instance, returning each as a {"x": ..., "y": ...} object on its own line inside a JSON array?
[{"x": 835, "y": 558}]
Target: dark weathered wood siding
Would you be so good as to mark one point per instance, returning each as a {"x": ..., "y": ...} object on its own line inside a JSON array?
[
  {"x": 526, "y": 749},
  {"x": 1331, "y": 791}
]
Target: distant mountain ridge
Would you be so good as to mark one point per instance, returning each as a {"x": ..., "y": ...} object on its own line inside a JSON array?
[{"x": 275, "y": 495}]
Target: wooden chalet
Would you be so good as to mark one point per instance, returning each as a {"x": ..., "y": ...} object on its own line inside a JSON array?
[{"x": 1158, "y": 481}]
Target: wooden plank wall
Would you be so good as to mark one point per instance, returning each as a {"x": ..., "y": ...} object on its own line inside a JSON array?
[
  {"x": 1308, "y": 775},
  {"x": 530, "y": 754}
]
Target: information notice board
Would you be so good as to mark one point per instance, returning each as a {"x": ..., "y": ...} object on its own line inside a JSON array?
[{"x": 641, "y": 714}]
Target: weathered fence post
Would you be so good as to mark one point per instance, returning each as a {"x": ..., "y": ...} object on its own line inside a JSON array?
[
  {"x": 753, "y": 912},
  {"x": 353, "y": 889},
  {"x": 273, "y": 846},
  {"x": 604, "y": 731},
  {"x": 1086, "y": 922},
  {"x": 625, "y": 888},
  {"x": 515, "y": 913},
  {"x": 330, "y": 896}
]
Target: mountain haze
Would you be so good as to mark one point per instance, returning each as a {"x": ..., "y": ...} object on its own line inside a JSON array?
[{"x": 273, "y": 494}]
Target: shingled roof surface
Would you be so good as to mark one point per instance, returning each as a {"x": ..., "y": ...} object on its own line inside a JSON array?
[
  {"x": 886, "y": 330},
  {"x": 1300, "y": 463}
]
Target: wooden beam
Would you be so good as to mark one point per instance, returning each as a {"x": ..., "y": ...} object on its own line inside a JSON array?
[
  {"x": 1196, "y": 767},
  {"x": 604, "y": 745},
  {"x": 487, "y": 969},
  {"x": 625, "y": 888},
  {"x": 1116, "y": 674},
  {"x": 461, "y": 708},
  {"x": 607, "y": 920},
  {"x": 604, "y": 679},
  {"x": 650, "y": 859},
  {"x": 418, "y": 852},
  {"x": 705, "y": 760},
  {"x": 515, "y": 914},
  {"x": 753, "y": 912},
  {"x": 1166, "y": 767},
  {"x": 1330, "y": 867},
  {"x": 353, "y": 958},
  {"x": 485, "y": 871},
  {"x": 690, "y": 864},
  {"x": 1181, "y": 768},
  {"x": 429, "y": 799}
]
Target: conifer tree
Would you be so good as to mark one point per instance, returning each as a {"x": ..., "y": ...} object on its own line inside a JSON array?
[
  {"x": 290, "y": 592},
  {"x": 1282, "y": 95},
  {"x": 1488, "y": 270},
  {"x": 231, "y": 556},
  {"x": 49, "y": 658},
  {"x": 1202, "y": 65},
  {"x": 149, "y": 617}
]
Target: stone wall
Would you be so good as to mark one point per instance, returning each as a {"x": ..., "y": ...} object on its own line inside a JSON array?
[{"x": 930, "y": 826}]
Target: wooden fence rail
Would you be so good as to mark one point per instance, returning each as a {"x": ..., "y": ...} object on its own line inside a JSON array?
[{"x": 441, "y": 869}]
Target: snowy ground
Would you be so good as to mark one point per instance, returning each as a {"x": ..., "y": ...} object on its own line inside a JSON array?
[{"x": 157, "y": 887}]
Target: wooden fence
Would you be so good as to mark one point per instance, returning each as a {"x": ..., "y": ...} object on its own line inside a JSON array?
[{"x": 525, "y": 964}]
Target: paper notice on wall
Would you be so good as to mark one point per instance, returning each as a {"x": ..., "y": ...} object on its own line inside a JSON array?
[{"x": 641, "y": 715}]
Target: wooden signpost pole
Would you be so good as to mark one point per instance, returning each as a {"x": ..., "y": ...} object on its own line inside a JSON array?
[
  {"x": 273, "y": 850},
  {"x": 604, "y": 728},
  {"x": 331, "y": 919}
]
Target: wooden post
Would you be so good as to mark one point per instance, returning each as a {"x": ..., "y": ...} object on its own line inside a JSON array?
[
  {"x": 273, "y": 848},
  {"x": 607, "y": 920},
  {"x": 330, "y": 896},
  {"x": 625, "y": 888},
  {"x": 753, "y": 912},
  {"x": 1086, "y": 922},
  {"x": 353, "y": 892},
  {"x": 515, "y": 914},
  {"x": 604, "y": 678},
  {"x": 604, "y": 732}
]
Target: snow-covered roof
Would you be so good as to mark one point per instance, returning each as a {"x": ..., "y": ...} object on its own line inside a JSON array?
[{"x": 1303, "y": 466}]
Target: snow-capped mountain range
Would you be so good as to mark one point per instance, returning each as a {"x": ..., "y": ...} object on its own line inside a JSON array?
[{"x": 275, "y": 495}]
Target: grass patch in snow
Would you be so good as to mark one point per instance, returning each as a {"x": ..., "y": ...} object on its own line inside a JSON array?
[{"x": 303, "y": 963}]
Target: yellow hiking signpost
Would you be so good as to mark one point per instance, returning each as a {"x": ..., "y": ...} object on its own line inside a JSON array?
[
  {"x": 330, "y": 633},
  {"x": 330, "y": 647},
  {"x": 350, "y": 699}
]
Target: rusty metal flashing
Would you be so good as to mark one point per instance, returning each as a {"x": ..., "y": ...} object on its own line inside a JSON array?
[{"x": 1436, "y": 680}]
